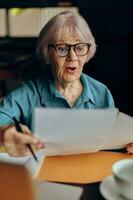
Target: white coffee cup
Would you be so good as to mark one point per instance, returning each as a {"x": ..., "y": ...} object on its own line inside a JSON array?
[{"x": 123, "y": 177}]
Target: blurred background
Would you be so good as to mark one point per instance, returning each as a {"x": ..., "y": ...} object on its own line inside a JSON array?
[{"x": 111, "y": 22}]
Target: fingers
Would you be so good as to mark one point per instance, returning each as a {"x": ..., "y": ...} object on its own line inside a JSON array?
[
  {"x": 30, "y": 138},
  {"x": 15, "y": 142},
  {"x": 26, "y": 130},
  {"x": 129, "y": 148}
]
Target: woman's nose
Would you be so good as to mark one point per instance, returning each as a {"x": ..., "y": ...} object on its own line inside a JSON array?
[{"x": 72, "y": 54}]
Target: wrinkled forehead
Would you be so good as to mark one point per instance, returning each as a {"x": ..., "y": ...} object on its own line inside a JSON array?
[{"x": 69, "y": 32}]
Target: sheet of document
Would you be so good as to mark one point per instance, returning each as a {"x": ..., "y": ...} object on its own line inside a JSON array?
[
  {"x": 28, "y": 161},
  {"x": 57, "y": 191},
  {"x": 122, "y": 132},
  {"x": 67, "y": 131},
  {"x": 4, "y": 157}
]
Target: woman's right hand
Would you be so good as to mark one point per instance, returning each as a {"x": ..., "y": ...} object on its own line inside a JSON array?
[{"x": 15, "y": 143}]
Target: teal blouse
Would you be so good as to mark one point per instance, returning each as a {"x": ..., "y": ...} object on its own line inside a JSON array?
[{"x": 41, "y": 92}]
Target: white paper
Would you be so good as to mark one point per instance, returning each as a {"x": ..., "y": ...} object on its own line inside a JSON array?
[
  {"x": 67, "y": 131},
  {"x": 28, "y": 161},
  {"x": 57, "y": 191},
  {"x": 34, "y": 166},
  {"x": 4, "y": 157},
  {"x": 122, "y": 132}
]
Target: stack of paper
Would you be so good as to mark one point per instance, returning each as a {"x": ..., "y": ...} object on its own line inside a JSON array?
[{"x": 67, "y": 131}]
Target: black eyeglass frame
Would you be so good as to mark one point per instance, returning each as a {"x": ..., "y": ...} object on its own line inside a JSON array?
[{"x": 69, "y": 46}]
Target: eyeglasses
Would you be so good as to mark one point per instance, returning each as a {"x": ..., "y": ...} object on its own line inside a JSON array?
[{"x": 62, "y": 50}]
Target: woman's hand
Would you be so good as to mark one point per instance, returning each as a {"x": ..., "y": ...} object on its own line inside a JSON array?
[
  {"x": 129, "y": 148},
  {"x": 15, "y": 142}
]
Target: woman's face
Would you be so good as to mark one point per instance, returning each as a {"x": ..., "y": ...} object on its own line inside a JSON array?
[{"x": 69, "y": 68}]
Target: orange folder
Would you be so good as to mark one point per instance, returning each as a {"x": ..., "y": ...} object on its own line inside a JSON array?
[
  {"x": 15, "y": 183},
  {"x": 81, "y": 168}
]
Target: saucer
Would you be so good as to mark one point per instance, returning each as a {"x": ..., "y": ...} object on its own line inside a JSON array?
[{"x": 108, "y": 189}]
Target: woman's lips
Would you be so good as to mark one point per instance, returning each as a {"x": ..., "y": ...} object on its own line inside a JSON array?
[{"x": 71, "y": 69}]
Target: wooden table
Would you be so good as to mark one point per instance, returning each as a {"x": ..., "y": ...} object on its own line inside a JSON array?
[{"x": 85, "y": 170}]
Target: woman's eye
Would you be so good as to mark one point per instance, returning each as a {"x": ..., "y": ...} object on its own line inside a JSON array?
[
  {"x": 80, "y": 48},
  {"x": 62, "y": 48}
]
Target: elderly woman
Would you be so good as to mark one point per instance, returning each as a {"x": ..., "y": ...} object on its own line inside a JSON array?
[{"x": 65, "y": 44}]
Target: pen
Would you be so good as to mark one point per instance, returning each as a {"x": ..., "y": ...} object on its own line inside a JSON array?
[{"x": 18, "y": 128}]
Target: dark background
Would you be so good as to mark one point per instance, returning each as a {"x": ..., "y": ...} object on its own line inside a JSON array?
[
  {"x": 111, "y": 22},
  {"x": 112, "y": 25}
]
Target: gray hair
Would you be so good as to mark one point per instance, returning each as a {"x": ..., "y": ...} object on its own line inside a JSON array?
[{"x": 64, "y": 23}]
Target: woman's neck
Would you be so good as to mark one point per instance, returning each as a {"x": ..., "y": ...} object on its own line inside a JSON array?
[{"x": 71, "y": 91}]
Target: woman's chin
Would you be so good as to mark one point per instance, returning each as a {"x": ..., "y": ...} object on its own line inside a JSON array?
[{"x": 70, "y": 79}]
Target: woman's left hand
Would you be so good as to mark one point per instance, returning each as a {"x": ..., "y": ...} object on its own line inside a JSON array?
[{"x": 129, "y": 148}]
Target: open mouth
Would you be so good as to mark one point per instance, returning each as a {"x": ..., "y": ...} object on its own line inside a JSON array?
[{"x": 71, "y": 69}]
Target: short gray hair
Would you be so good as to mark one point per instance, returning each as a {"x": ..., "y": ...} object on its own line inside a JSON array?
[{"x": 65, "y": 22}]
